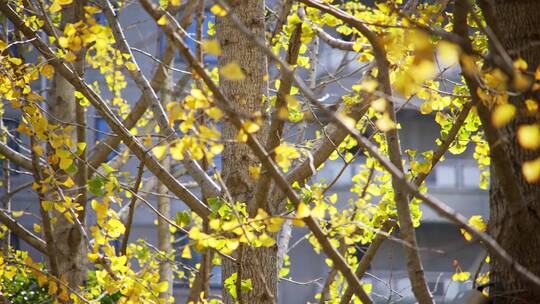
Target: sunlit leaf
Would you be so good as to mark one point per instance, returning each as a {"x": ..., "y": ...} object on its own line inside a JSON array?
[
  {"x": 232, "y": 71},
  {"x": 529, "y": 136}
]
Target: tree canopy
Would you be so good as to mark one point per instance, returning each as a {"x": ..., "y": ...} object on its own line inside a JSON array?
[{"x": 236, "y": 131}]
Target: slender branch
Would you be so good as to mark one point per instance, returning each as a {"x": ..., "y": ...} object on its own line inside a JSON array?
[
  {"x": 414, "y": 264},
  {"x": 446, "y": 142},
  {"x": 132, "y": 206},
  {"x": 276, "y": 127},
  {"x": 368, "y": 257},
  {"x": 16, "y": 157},
  {"x": 123, "y": 214},
  {"x": 334, "y": 42},
  {"x": 26, "y": 235},
  {"x": 50, "y": 248},
  {"x": 81, "y": 176}
]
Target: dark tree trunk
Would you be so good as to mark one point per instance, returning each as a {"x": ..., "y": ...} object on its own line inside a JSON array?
[{"x": 517, "y": 24}]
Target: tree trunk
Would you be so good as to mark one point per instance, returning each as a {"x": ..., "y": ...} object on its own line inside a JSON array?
[
  {"x": 71, "y": 247},
  {"x": 518, "y": 28},
  {"x": 257, "y": 264},
  {"x": 164, "y": 203},
  {"x": 164, "y": 235}
]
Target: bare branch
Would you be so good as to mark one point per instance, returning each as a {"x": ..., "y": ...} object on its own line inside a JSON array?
[
  {"x": 16, "y": 157},
  {"x": 132, "y": 206}
]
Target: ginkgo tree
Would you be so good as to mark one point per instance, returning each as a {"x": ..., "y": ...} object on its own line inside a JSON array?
[{"x": 253, "y": 111}]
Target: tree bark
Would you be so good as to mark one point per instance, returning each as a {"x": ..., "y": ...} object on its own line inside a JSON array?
[
  {"x": 257, "y": 264},
  {"x": 164, "y": 204},
  {"x": 518, "y": 28},
  {"x": 70, "y": 245}
]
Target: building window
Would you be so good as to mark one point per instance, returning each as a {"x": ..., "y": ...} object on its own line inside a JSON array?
[
  {"x": 471, "y": 176},
  {"x": 190, "y": 41},
  {"x": 10, "y": 126},
  {"x": 102, "y": 129}
]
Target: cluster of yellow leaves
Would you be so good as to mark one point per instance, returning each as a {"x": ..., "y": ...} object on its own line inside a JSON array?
[
  {"x": 285, "y": 154},
  {"x": 56, "y": 6},
  {"x": 199, "y": 139},
  {"x": 229, "y": 231},
  {"x": 18, "y": 265},
  {"x": 133, "y": 286},
  {"x": 477, "y": 223},
  {"x": 100, "y": 53}
]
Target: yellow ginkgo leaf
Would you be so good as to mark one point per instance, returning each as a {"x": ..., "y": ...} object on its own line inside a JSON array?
[
  {"x": 159, "y": 151},
  {"x": 266, "y": 240},
  {"x": 17, "y": 213},
  {"x": 115, "y": 228},
  {"x": 38, "y": 149},
  {"x": 175, "y": 2},
  {"x": 92, "y": 9},
  {"x": 211, "y": 47},
  {"x": 285, "y": 154},
  {"x": 218, "y": 10},
  {"x": 55, "y": 7},
  {"x": 531, "y": 105},
  {"x": 65, "y": 163},
  {"x": 302, "y": 211},
  {"x": 68, "y": 183},
  {"x": 163, "y": 20},
  {"x": 448, "y": 52},
  {"x": 461, "y": 276},
  {"x": 251, "y": 127},
  {"x": 531, "y": 170},
  {"x": 520, "y": 64},
  {"x": 186, "y": 253},
  {"x": 241, "y": 136},
  {"x": 254, "y": 172},
  {"x": 385, "y": 123},
  {"x": 37, "y": 228},
  {"x": 47, "y": 71},
  {"x": 379, "y": 105},
  {"x": 15, "y": 60},
  {"x": 177, "y": 151},
  {"x": 214, "y": 113},
  {"x": 477, "y": 222},
  {"x": 131, "y": 66},
  {"x": 274, "y": 224},
  {"x": 232, "y": 71},
  {"x": 162, "y": 286},
  {"x": 529, "y": 136},
  {"x": 47, "y": 205},
  {"x": 503, "y": 114}
]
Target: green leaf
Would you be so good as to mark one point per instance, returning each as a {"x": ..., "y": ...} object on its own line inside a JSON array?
[
  {"x": 95, "y": 186},
  {"x": 182, "y": 218},
  {"x": 108, "y": 168},
  {"x": 215, "y": 203}
]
